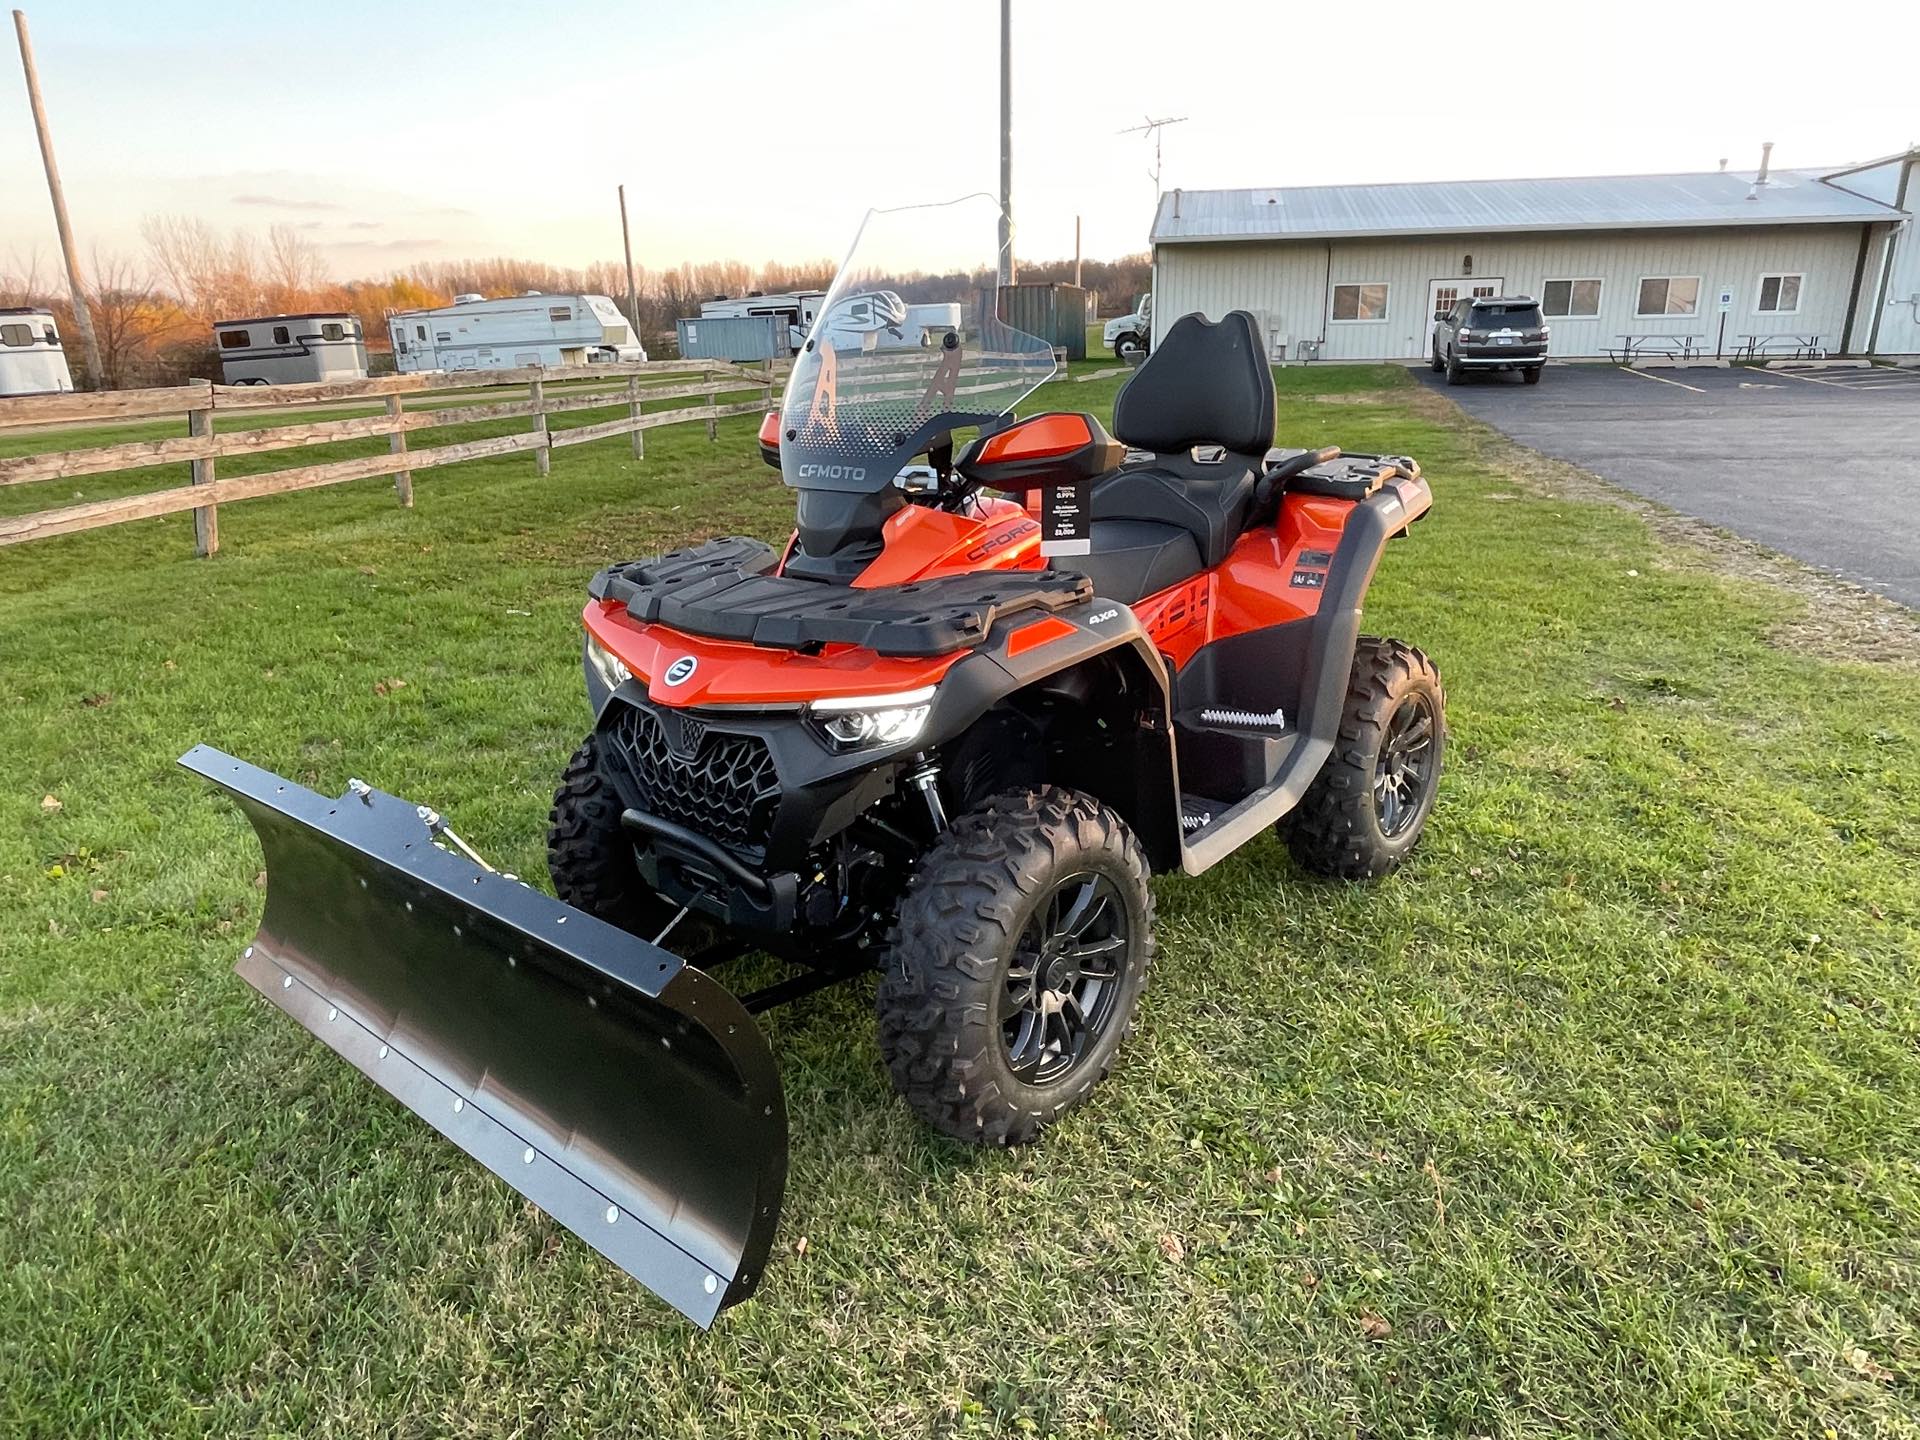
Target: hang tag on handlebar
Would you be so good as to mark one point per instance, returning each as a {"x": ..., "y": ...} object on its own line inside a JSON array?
[{"x": 1066, "y": 518}]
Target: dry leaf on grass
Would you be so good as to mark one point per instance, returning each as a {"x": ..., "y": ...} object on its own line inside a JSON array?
[
  {"x": 1863, "y": 1362},
  {"x": 1373, "y": 1326},
  {"x": 800, "y": 1246},
  {"x": 1172, "y": 1248},
  {"x": 96, "y": 700},
  {"x": 387, "y": 687},
  {"x": 50, "y": 804}
]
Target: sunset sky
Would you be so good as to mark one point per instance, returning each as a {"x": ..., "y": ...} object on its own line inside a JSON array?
[{"x": 396, "y": 132}]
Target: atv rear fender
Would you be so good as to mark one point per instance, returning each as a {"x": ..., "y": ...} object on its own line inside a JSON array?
[{"x": 1025, "y": 656}]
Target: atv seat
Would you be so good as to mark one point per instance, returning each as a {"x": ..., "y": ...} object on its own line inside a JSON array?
[
  {"x": 1130, "y": 559},
  {"x": 1206, "y": 385}
]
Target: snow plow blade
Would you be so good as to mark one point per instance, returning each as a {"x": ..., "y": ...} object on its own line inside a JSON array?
[{"x": 623, "y": 1091}]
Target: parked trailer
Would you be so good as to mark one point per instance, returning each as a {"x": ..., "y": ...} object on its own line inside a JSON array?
[
  {"x": 291, "y": 349},
  {"x": 474, "y": 333},
  {"x": 31, "y": 360}
]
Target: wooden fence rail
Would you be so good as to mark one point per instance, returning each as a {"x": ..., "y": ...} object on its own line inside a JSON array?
[{"x": 549, "y": 392}]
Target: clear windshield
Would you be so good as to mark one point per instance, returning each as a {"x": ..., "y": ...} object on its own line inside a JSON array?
[{"x": 908, "y": 346}]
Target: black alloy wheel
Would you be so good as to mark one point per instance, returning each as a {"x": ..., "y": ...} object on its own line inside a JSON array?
[
  {"x": 1063, "y": 979},
  {"x": 1404, "y": 773}
]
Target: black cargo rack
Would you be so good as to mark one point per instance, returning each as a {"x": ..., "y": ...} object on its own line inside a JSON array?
[{"x": 725, "y": 590}]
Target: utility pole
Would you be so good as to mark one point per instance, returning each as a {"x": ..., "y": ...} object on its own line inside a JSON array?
[
  {"x": 633, "y": 292},
  {"x": 1007, "y": 270},
  {"x": 1152, "y": 130},
  {"x": 1076, "y": 252},
  {"x": 76, "y": 287}
]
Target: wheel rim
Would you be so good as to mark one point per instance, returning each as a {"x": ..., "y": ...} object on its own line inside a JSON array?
[
  {"x": 1063, "y": 981},
  {"x": 1403, "y": 775}
]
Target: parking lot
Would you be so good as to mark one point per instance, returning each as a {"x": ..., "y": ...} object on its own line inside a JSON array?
[{"x": 1821, "y": 464}]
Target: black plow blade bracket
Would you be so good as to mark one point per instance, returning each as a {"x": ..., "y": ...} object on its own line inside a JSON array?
[{"x": 623, "y": 1091}]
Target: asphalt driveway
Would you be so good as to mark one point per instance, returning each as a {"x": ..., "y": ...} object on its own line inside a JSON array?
[{"x": 1823, "y": 465}]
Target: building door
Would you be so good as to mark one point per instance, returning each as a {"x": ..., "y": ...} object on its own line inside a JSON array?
[{"x": 1441, "y": 294}]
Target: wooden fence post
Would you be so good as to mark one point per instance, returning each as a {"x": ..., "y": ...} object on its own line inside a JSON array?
[
  {"x": 206, "y": 519},
  {"x": 713, "y": 403},
  {"x": 769, "y": 382},
  {"x": 542, "y": 456},
  {"x": 397, "y": 445},
  {"x": 633, "y": 413}
]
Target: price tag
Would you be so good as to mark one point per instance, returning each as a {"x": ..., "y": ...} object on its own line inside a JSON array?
[{"x": 1066, "y": 519}]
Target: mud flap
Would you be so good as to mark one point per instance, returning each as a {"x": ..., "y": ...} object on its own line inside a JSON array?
[{"x": 623, "y": 1091}]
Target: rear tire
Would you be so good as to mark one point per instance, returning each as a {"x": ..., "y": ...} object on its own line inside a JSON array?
[
  {"x": 1125, "y": 343},
  {"x": 1367, "y": 807},
  {"x": 1015, "y": 965},
  {"x": 1533, "y": 373},
  {"x": 1436, "y": 364},
  {"x": 1454, "y": 373},
  {"x": 590, "y": 857}
]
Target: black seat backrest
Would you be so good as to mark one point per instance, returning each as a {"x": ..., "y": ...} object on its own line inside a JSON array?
[{"x": 1204, "y": 384}]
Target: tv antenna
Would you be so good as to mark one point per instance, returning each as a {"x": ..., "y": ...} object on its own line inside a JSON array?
[{"x": 1152, "y": 130}]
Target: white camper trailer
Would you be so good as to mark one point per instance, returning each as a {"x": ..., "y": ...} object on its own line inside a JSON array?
[
  {"x": 522, "y": 330},
  {"x": 291, "y": 349},
  {"x": 881, "y": 320},
  {"x": 799, "y": 308},
  {"x": 31, "y": 360}
]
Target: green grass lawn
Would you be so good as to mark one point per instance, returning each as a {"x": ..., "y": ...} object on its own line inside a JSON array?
[{"x": 1601, "y": 1118}]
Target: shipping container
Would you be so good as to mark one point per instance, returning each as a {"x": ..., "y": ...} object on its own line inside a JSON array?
[
  {"x": 1054, "y": 313},
  {"x": 738, "y": 338}
]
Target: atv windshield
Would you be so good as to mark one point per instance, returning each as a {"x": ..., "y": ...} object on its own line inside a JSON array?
[{"x": 909, "y": 346}]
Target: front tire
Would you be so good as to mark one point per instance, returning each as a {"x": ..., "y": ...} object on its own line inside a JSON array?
[
  {"x": 1367, "y": 807},
  {"x": 1125, "y": 343},
  {"x": 590, "y": 857},
  {"x": 1016, "y": 963}
]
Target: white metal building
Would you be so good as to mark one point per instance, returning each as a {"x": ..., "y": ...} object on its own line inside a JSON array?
[
  {"x": 291, "y": 349},
  {"x": 31, "y": 359},
  {"x": 474, "y": 333},
  {"x": 1720, "y": 262}
]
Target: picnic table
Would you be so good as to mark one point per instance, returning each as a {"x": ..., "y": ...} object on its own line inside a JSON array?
[
  {"x": 1794, "y": 347},
  {"x": 1667, "y": 347}
]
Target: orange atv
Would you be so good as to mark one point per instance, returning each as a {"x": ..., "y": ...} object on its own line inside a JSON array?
[{"x": 947, "y": 733}]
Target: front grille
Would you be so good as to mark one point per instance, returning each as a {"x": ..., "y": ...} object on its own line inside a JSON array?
[{"x": 723, "y": 786}]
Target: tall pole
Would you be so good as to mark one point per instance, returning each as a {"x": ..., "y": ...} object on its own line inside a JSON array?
[
  {"x": 76, "y": 287},
  {"x": 633, "y": 292},
  {"x": 1076, "y": 252},
  {"x": 1007, "y": 270}
]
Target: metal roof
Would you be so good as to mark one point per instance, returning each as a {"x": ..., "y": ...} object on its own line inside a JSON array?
[{"x": 1599, "y": 202}]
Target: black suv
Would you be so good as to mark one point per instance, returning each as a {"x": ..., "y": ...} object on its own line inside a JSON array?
[{"x": 1500, "y": 332}]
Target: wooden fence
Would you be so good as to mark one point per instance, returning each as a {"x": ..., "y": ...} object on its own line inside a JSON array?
[{"x": 549, "y": 392}]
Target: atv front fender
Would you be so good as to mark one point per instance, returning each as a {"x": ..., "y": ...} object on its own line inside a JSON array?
[{"x": 620, "y": 1089}]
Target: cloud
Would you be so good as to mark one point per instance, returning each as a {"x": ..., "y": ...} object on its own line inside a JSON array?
[
  {"x": 366, "y": 225},
  {"x": 384, "y": 245},
  {"x": 281, "y": 203}
]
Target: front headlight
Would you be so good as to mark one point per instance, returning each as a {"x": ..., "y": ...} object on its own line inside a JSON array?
[
  {"x": 859, "y": 722},
  {"x": 608, "y": 666}
]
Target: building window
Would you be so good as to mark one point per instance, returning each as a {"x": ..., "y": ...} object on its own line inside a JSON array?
[
  {"x": 560, "y": 312},
  {"x": 332, "y": 330},
  {"x": 1669, "y": 295},
  {"x": 16, "y": 335},
  {"x": 235, "y": 339},
  {"x": 419, "y": 332},
  {"x": 53, "y": 336},
  {"x": 1780, "y": 294},
  {"x": 1572, "y": 298},
  {"x": 282, "y": 336},
  {"x": 1360, "y": 302}
]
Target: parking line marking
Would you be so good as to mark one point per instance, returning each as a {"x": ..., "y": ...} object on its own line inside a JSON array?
[
  {"x": 1662, "y": 379},
  {"x": 1811, "y": 380}
]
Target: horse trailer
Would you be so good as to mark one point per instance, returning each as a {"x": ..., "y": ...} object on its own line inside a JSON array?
[
  {"x": 31, "y": 360},
  {"x": 475, "y": 333},
  {"x": 291, "y": 349}
]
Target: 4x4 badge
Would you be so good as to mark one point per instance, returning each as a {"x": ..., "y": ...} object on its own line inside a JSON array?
[{"x": 681, "y": 670}]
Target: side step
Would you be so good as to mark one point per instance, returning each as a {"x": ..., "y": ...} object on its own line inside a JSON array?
[{"x": 1224, "y": 831}]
